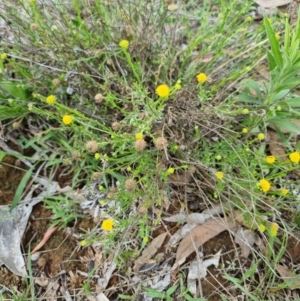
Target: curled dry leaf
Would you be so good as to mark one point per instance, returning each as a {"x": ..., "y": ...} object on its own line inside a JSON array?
[
  {"x": 149, "y": 251},
  {"x": 198, "y": 236},
  {"x": 246, "y": 239},
  {"x": 272, "y": 3}
]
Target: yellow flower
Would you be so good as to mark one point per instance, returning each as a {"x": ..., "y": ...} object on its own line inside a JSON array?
[
  {"x": 219, "y": 175},
  {"x": 277, "y": 36},
  {"x": 163, "y": 91},
  {"x": 67, "y": 119},
  {"x": 295, "y": 157},
  {"x": 170, "y": 170},
  {"x": 218, "y": 157},
  {"x": 262, "y": 228},
  {"x": 264, "y": 185},
  {"x": 245, "y": 111},
  {"x": 108, "y": 224},
  {"x": 97, "y": 156},
  {"x": 128, "y": 168},
  {"x": 270, "y": 159},
  {"x": 51, "y": 99},
  {"x": 249, "y": 19},
  {"x": 124, "y": 44},
  {"x": 244, "y": 130},
  {"x": 261, "y": 136},
  {"x": 177, "y": 86},
  {"x": 201, "y": 78},
  {"x": 3, "y": 56},
  {"x": 139, "y": 136},
  {"x": 274, "y": 229},
  {"x": 284, "y": 191},
  {"x": 83, "y": 243}
]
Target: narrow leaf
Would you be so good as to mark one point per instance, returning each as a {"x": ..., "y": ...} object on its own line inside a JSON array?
[
  {"x": 274, "y": 44},
  {"x": 21, "y": 188},
  {"x": 284, "y": 125}
]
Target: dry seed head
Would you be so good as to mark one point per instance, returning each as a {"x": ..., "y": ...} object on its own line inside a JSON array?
[
  {"x": 98, "y": 98},
  {"x": 91, "y": 146},
  {"x": 34, "y": 27},
  {"x": 56, "y": 82},
  {"x": 96, "y": 175},
  {"x": 161, "y": 143},
  {"x": 130, "y": 185},
  {"x": 140, "y": 145},
  {"x": 116, "y": 126},
  {"x": 16, "y": 125}
]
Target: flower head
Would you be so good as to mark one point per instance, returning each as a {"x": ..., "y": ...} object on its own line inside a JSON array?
[
  {"x": 201, "y": 78},
  {"x": 51, "y": 99},
  {"x": 245, "y": 111},
  {"x": 264, "y": 185},
  {"x": 244, "y": 130},
  {"x": 91, "y": 146},
  {"x": 273, "y": 229},
  {"x": 178, "y": 85},
  {"x": 277, "y": 36},
  {"x": 295, "y": 157},
  {"x": 262, "y": 228},
  {"x": 97, "y": 156},
  {"x": 170, "y": 170},
  {"x": 124, "y": 44},
  {"x": 161, "y": 143},
  {"x": 284, "y": 191},
  {"x": 139, "y": 136},
  {"x": 261, "y": 136},
  {"x": 3, "y": 56},
  {"x": 163, "y": 90},
  {"x": 67, "y": 119},
  {"x": 130, "y": 185},
  {"x": 98, "y": 98},
  {"x": 107, "y": 224},
  {"x": 140, "y": 145},
  {"x": 219, "y": 175},
  {"x": 270, "y": 159},
  {"x": 83, "y": 243}
]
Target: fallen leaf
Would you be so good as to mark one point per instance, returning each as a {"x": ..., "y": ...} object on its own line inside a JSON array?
[
  {"x": 149, "y": 251},
  {"x": 198, "y": 270},
  {"x": 292, "y": 280},
  {"x": 272, "y": 3},
  {"x": 196, "y": 218},
  {"x": 198, "y": 236},
  {"x": 246, "y": 239}
]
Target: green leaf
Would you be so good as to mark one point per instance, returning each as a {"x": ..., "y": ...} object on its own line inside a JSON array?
[
  {"x": 274, "y": 44},
  {"x": 21, "y": 188},
  {"x": 248, "y": 98},
  {"x": 271, "y": 61},
  {"x": 284, "y": 124},
  {"x": 7, "y": 112},
  {"x": 293, "y": 102},
  {"x": 15, "y": 90},
  {"x": 280, "y": 95},
  {"x": 171, "y": 290}
]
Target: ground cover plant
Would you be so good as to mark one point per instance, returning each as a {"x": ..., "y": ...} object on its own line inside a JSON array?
[{"x": 164, "y": 140}]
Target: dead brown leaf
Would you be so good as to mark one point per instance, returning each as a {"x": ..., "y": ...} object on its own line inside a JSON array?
[
  {"x": 198, "y": 236},
  {"x": 276, "y": 147},
  {"x": 293, "y": 281},
  {"x": 272, "y": 3},
  {"x": 149, "y": 251}
]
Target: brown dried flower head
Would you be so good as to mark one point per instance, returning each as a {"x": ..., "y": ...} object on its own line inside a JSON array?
[
  {"x": 98, "y": 98},
  {"x": 34, "y": 27},
  {"x": 75, "y": 156},
  {"x": 56, "y": 82},
  {"x": 161, "y": 143},
  {"x": 91, "y": 146},
  {"x": 96, "y": 175},
  {"x": 116, "y": 126},
  {"x": 16, "y": 125},
  {"x": 140, "y": 145},
  {"x": 130, "y": 185}
]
